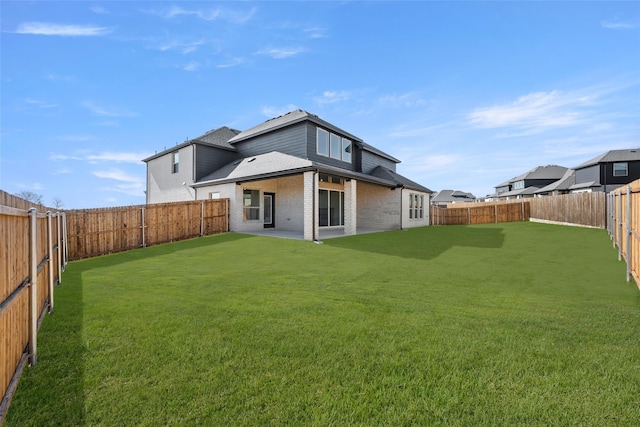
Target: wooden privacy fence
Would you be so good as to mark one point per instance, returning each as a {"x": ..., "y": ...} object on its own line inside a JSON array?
[
  {"x": 33, "y": 255},
  {"x": 480, "y": 213},
  {"x": 94, "y": 232},
  {"x": 586, "y": 209},
  {"x": 623, "y": 224}
]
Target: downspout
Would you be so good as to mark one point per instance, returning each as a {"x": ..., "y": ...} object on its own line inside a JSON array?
[
  {"x": 401, "y": 211},
  {"x": 313, "y": 206}
]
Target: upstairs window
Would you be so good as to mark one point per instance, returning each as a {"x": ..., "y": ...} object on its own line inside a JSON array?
[
  {"x": 175, "y": 162},
  {"x": 518, "y": 185},
  {"x": 323, "y": 142},
  {"x": 620, "y": 169},
  {"x": 334, "y": 146}
]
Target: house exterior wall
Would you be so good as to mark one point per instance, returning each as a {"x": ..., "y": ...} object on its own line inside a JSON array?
[
  {"x": 591, "y": 173},
  {"x": 289, "y": 140},
  {"x": 378, "y": 207},
  {"x": 289, "y": 214},
  {"x": 370, "y": 161},
  {"x": 210, "y": 159},
  {"x": 633, "y": 173},
  {"x": 407, "y": 221},
  {"x": 163, "y": 185}
]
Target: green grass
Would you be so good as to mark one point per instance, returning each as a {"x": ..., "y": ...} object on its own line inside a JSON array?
[{"x": 507, "y": 324}]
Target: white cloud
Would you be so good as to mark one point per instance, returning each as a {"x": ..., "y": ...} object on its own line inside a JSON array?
[
  {"x": 211, "y": 14},
  {"x": 232, "y": 62},
  {"x": 332, "y": 97},
  {"x": 128, "y": 184},
  {"x": 534, "y": 112},
  {"x": 411, "y": 99},
  {"x": 271, "y": 111},
  {"x": 39, "y": 103},
  {"x": 108, "y": 111},
  {"x": 282, "y": 52},
  {"x": 183, "y": 47},
  {"x": 191, "y": 66},
  {"x": 105, "y": 156},
  {"x": 49, "y": 29},
  {"x": 118, "y": 157},
  {"x": 616, "y": 24},
  {"x": 316, "y": 32}
]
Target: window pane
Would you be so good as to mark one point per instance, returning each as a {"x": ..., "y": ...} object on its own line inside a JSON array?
[
  {"x": 176, "y": 162},
  {"x": 251, "y": 202},
  {"x": 323, "y": 208},
  {"x": 620, "y": 169},
  {"x": 335, "y": 208},
  {"x": 323, "y": 142},
  {"x": 336, "y": 146},
  {"x": 346, "y": 150}
]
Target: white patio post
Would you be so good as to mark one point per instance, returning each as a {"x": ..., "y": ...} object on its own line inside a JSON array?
[
  {"x": 350, "y": 207},
  {"x": 309, "y": 206}
]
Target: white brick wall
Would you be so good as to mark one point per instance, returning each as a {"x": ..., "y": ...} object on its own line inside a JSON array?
[
  {"x": 378, "y": 207},
  {"x": 163, "y": 185},
  {"x": 350, "y": 207}
]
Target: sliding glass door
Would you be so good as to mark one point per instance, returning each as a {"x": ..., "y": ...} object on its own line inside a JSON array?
[{"x": 331, "y": 208}]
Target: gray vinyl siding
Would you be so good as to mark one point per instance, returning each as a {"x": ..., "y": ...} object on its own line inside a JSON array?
[
  {"x": 370, "y": 161},
  {"x": 592, "y": 173},
  {"x": 210, "y": 159},
  {"x": 290, "y": 140}
]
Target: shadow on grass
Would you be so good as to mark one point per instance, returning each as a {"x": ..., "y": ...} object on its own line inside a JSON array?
[
  {"x": 52, "y": 392},
  {"x": 423, "y": 243}
]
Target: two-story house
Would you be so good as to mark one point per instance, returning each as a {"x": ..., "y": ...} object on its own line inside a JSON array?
[
  {"x": 528, "y": 183},
  {"x": 608, "y": 171},
  {"x": 295, "y": 172}
]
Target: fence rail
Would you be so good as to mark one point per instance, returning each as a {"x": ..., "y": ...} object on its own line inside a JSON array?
[
  {"x": 623, "y": 225},
  {"x": 33, "y": 256},
  {"x": 94, "y": 232}
]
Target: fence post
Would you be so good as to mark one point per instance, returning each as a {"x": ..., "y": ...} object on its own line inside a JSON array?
[
  {"x": 620, "y": 224},
  {"x": 522, "y": 207},
  {"x": 33, "y": 286},
  {"x": 50, "y": 262},
  {"x": 495, "y": 212},
  {"x": 202, "y": 218},
  {"x": 628, "y": 234},
  {"x": 142, "y": 213},
  {"x": 469, "y": 214}
]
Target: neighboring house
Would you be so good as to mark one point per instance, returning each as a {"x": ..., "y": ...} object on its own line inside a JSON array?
[
  {"x": 295, "y": 172},
  {"x": 444, "y": 197},
  {"x": 527, "y": 184},
  {"x": 607, "y": 171},
  {"x": 561, "y": 186}
]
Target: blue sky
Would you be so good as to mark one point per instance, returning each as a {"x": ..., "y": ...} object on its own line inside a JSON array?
[{"x": 466, "y": 94}]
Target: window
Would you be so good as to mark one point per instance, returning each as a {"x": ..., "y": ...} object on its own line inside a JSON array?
[
  {"x": 346, "y": 150},
  {"x": 323, "y": 142},
  {"x": 620, "y": 169},
  {"x": 175, "y": 164},
  {"x": 323, "y": 177},
  {"x": 518, "y": 185},
  {"x": 251, "y": 205},
  {"x": 331, "y": 208},
  {"x": 416, "y": 206},
  {"x": 334, "y": 146}
]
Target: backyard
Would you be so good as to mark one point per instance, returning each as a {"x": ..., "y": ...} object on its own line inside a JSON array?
[{"x": 501, "y": 324}]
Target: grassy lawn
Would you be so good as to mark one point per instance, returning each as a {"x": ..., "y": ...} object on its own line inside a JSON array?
[{"x": 506, "y": 324}]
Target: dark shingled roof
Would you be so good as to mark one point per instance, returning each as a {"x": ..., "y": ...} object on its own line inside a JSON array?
[{"x": 613, "y": 156}]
